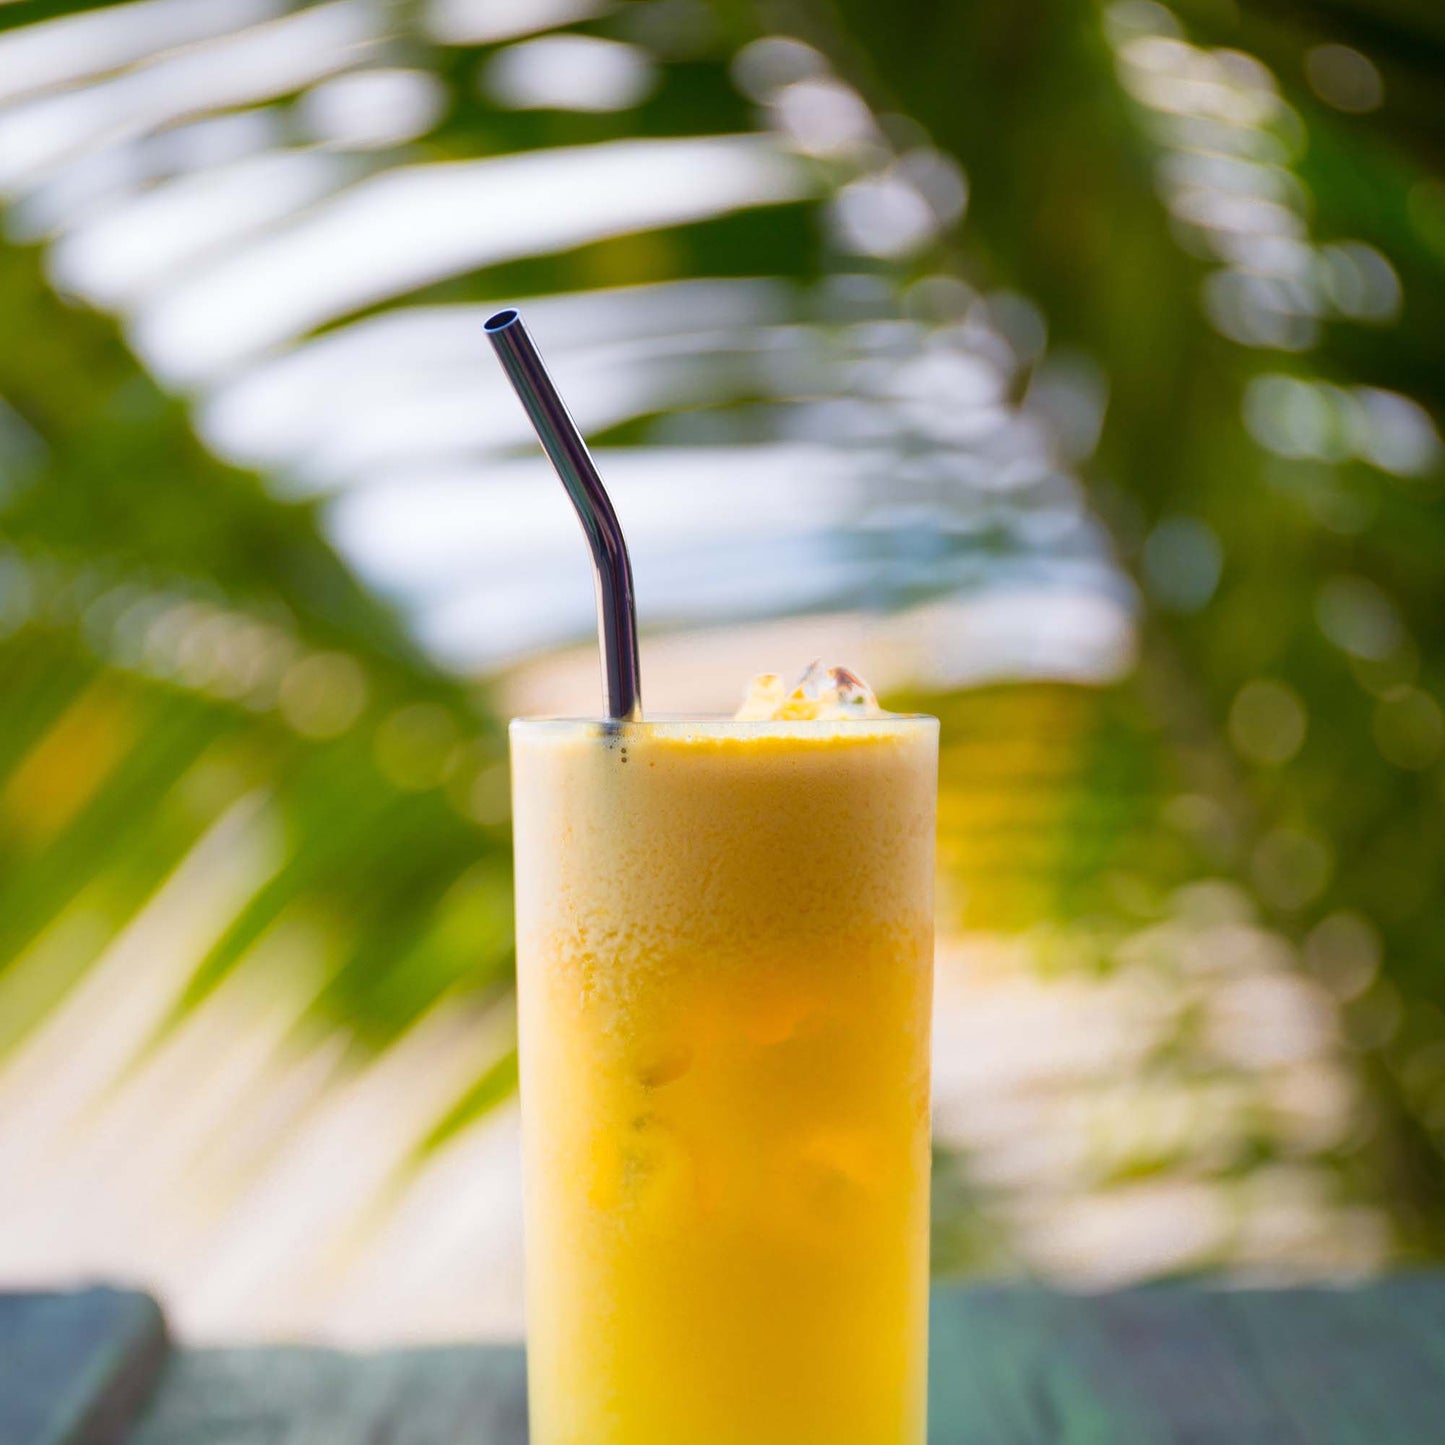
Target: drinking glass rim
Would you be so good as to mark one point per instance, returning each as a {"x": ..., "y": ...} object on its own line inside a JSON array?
[{"x": 721, "y": 723}]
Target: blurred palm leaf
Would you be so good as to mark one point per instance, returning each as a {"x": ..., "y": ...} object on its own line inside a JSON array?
[
  {"x": 751, "y": 287},
  {"x": 1269, "y": 433},
  {"x": 233, "y": 780}
]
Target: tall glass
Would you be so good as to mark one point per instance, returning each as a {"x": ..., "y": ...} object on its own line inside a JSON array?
[{"x": 725, "y": 956}]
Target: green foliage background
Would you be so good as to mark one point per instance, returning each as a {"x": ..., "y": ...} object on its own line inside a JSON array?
[{"x": 112, "y": 767}]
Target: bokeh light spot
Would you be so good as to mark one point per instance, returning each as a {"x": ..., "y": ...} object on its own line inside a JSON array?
[
  {"x": 1343, "y": 951},
  {"x": 1205, "y": 820},
  {"x": 413, "y": 745},
  {"x": 1344, "y": 78},
  {"x": 1385, "y": 676},
  {"x": 883, "y": 215},
  {"x": 569, "y": 72},
  {"x": 1409, "y": 729},
  {"x": 1360, "y": 281},
  {"x": 762, "y": 68},
  {"x": 1373, "y": 1019},
  {"x": 323, "y": 695},
  {"x": 373, "y": 109},
  {"x": 1260, "y": 311},
  {"x": 1182, "y": 563},
  {"x": 821, "y": 116},
  {"x": 1291, "y": 867},
  {"x": 1290, "y": 417},
  {"x": 1129, "y": 18},
  {"x": 1358, "y": 618},
  {"x": 1267, "y": 722},
  {"x": 1398, "y": 435},
  {"x": 489, "y": 800},
  {"x": 939, "y": 179}
]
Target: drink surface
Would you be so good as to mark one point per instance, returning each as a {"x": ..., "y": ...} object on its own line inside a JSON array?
[{"x": 725, "y": 970}]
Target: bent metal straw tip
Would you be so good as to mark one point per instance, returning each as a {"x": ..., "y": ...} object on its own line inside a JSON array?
[{"x": 567, "y": 451}]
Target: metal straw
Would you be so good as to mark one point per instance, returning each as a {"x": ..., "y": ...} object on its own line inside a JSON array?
[{"x": 612, "y": 569}]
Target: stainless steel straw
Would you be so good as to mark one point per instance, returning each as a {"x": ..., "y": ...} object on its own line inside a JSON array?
[{"x": 612, "y": 569}]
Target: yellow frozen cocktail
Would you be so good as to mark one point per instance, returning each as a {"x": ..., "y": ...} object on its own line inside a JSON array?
[{"x": 725, "y": 942}]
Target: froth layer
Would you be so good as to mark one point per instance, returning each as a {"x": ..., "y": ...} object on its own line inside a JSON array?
[{"x": 721, "y": 840}]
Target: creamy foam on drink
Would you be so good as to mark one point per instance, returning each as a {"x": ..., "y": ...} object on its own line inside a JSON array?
[{"x": 821, "y": 694}]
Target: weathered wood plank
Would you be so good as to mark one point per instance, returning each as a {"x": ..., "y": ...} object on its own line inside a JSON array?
[
  {"x": 1169, "y": 1365},
  {"x": 1191, "y": 1365},
  {"x": 468, "y": 1395},
  {"x": 1007, "y": 1367},
  {"x": 1349, "y": 1367},
  {"x": 76, "y": 1369}
]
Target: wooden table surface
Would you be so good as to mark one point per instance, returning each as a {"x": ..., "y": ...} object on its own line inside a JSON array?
[{"x": 1169, "y": 1365}]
